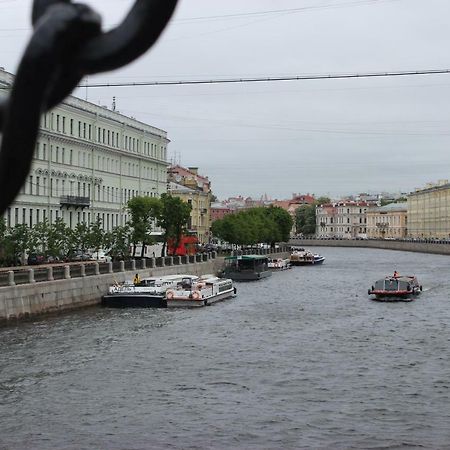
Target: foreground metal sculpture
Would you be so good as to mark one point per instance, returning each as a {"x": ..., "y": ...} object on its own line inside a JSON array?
[{"x": 66, "y": 45}]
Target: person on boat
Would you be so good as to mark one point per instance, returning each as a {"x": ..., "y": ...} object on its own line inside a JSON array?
[
  {"x": 137, "y": 279},
  {"x": 396, "y": 274}
]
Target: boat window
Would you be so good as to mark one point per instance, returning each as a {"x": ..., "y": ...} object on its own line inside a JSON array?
[{"x": 391, "y": 285}]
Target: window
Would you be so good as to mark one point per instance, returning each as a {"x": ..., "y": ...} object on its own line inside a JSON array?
[
  {"x": 31, "y": 185},
  {"x": 71, "y": 127}
]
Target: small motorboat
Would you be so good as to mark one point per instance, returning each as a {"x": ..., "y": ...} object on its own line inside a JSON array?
[
  {"x": 277, "y": 264},
  {"x": 396, "y": 288},
  {"x": 304, "y": 257},
  {"x": 202, "y": 292}
]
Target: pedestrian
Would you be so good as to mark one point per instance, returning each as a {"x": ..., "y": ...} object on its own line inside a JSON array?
[{"x": 137, "y": 279}]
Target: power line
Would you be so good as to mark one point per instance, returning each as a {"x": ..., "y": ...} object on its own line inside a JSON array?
[{"x": 271, "y": 79}]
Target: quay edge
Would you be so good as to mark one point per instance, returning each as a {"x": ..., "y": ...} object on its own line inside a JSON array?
[
  {"x": 25, "y": 301},
  {"x": 404, "y": 246},
  {"x": 28, "y": 301}
]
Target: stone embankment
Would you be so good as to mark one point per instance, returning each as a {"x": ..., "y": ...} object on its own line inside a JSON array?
[
  {"x": 29, "y": 293},
  {"x": 405, "y": 246}
]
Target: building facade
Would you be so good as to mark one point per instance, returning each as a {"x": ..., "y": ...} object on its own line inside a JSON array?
[
  {"x": 346, "y": 219},
  {"x": 88, "y": 162},
  {"x": 388, "y": 221},
  {"x": 429, "y": 211},
  {"x": 194, "y": 189}
]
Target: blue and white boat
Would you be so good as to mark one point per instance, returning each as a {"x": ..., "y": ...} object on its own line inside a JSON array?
[{"x": 304, "y": 257}]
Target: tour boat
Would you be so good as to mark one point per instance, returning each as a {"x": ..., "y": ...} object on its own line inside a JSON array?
[
  {"x": 246, "y": 267},
  {"x": 277, "y": 264},
  {"x": 304, "y": 257},
  {"x": 147, "y": 293},
  {"x": 204, "y": 291},
  {"x": 396, "y": 287}
]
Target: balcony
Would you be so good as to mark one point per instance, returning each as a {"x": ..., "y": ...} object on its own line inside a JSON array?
[{"x": 75, "y": 200}]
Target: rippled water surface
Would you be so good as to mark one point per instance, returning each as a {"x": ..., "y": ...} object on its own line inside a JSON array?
[{"x": 300, "y": 360}]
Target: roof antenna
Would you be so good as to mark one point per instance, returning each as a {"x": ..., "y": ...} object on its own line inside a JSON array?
[{"x": 114, "y": 104}]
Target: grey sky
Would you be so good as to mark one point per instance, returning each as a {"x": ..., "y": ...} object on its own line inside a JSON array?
[{"x": 324, "y": 137}]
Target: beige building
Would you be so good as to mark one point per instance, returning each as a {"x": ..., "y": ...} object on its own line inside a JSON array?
[
  {"x": 429, "y": 211},
  {"x": 194, "y": 189},
  {"x": 345, "y": 219},
  {"x": 388, "y": 221}
]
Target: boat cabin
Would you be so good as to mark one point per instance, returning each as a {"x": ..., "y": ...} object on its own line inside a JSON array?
[{"x": 247, "y": 267}]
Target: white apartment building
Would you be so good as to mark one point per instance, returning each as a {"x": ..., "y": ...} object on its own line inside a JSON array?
[
  {"x": 346, "y": 219},
  {"x": 88, "y": 162}
]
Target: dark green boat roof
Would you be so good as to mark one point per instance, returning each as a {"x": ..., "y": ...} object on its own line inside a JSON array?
[{"x": 253, "y": 257}]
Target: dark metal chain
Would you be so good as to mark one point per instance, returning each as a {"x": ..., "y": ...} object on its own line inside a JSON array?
[{"x": 66, "y": 45}]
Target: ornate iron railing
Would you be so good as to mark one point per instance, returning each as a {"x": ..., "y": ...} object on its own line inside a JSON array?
[{"x": 67, "y": 44}]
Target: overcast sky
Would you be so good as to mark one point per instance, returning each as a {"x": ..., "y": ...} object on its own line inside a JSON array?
[{"x": 330, "y": 137}]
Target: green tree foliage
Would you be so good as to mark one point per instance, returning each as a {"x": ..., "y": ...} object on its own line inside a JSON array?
[
  {"x": 305, "y": 219},
  {"x": 255, "y": 225},
  {"x": 96, "y": 235},
  {"x": 61, "y": 239},
  {"x": 117, "y": 242},
  {"x": 19, "y": 241},
  {"x": 143, "y": 210},
  {"x": 305, "y": 216},
  {"x": 283, "y": 223},
  {"x": 39, "y": 237},
  {"x": 173, "y": 217},
  {"x": 81, "y": 237}
]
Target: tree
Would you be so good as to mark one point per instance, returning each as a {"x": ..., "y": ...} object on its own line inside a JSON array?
[
  {"x": 82, "y": 237},
  {"x": 255, "y": 225},
  {"x": 283, "y": 221},
  {"x": 95, "y": 238},
  {"x": 305, "y": 216},
  {"x": 19, "y": 242},
  {"x": 305, "y": 219},
  {"x": 60, "y": 239},
  {"x": 117, "y": 242},
  {"x": 39, "y": 237},
  {"x": 143, "y": 210},
  {"x": 173, "y": 217}
]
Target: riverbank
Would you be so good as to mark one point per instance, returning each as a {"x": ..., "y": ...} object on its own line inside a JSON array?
[
  {"x": 404, "y": 246},
  {"x": 25, "y": 301}
]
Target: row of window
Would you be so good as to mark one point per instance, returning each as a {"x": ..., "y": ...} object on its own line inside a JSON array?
[
  {"x": 83, "y": 130},
  {"x": 32, "y": 216},
  {"x": 337, "y": 220},
  {"x": 83, "y": 159},
  {"x": 55, "y": 187}
]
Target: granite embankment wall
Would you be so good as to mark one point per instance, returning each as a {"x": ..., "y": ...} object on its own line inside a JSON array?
[
  {"x": 405, "y": 246},
  {"x": 32, "y": 299}
]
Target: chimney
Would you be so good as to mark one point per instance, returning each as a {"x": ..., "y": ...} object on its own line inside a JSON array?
[{"x": 193, "y": 170}]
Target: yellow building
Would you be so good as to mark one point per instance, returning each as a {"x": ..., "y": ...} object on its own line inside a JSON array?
[
  {"x": 388, "y": 221},
  {"x": 194, "y": 189},
  {"x": 429, "y": 211}
]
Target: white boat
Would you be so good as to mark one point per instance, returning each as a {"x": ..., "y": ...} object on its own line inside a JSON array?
[
  {"x": 147, "y": 293},
  {"x": 201, "y": 292},
  {"x": 304, "y": 257},
  {"x": 279, "y": 264}
]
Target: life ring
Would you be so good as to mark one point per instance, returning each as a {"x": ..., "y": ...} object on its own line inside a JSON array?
[
  {"x": 196, "y": 295},
  {"x": 170, "y": 295}
]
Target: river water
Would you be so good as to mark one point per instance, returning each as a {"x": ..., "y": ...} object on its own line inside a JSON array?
[{"x": 300, "y": 360}]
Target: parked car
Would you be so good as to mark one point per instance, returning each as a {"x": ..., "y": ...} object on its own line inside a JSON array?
[
  {"x": 34, "y": 258},
  {"x": 80, "y": 256},
  {"x": 101, "y": 256}
]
